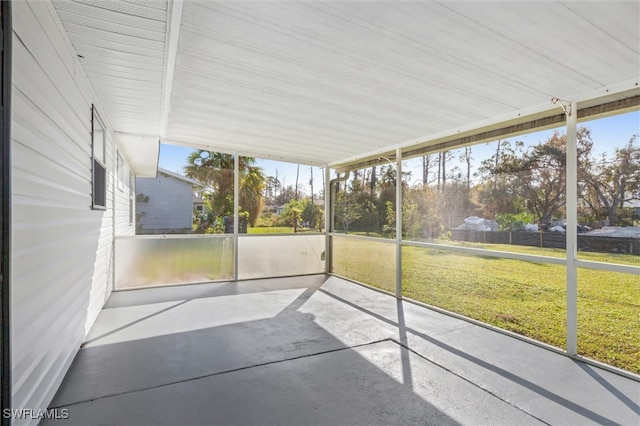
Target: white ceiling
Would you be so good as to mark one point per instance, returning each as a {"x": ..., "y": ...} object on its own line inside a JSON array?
[
  {"x": 320, "y": 82},
  {"x": 121, "y": 46}
]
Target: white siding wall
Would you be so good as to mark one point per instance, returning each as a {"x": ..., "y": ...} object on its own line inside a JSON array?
[
  {"x": 124, "y": 188},
  {"x": 170, "y": 205},
  {"x": 62, "y": 251}
]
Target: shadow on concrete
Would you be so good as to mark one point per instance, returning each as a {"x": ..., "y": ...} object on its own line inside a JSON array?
[
  {"x": 280, "y": 370},
  {"x": 479, "y": 362},
  {"x": 609, "y": 387}
]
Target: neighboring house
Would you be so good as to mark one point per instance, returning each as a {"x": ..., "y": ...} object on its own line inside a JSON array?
[
  {"x": 198, "y": 203},
  {"x": 165, "y": 203},
  {"x": 278, "y": 210}
]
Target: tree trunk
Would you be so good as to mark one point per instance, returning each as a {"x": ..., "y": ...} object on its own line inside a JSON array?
[
  {"x": 297, "y": 176},
  {"x": 444, "y": 171},
  {"x": 439, "y": 169},
  {"x": 373, "y": 179},
  {"x": 495, "y": 181},
  {"x": 467, "y": 154},
  {"x": 425, "y": 169}
]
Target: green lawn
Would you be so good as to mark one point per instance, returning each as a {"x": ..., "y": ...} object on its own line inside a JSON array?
[
  {"x": 525, "y": 297},
  {"x": 271, "y": 230},
  {"x": 277, "y": 230}
]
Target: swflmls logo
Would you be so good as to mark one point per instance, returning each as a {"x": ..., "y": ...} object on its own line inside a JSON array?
[{"x": 28, "y": 413}]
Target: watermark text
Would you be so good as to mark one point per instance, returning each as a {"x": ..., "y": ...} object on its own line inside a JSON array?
[{"x": 38, "y": 414}]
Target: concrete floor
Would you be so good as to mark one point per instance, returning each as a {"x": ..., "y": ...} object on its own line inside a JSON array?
[{"x": 320, "y": 350}]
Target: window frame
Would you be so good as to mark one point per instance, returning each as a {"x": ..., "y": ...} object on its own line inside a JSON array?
[
  {"x": 98, "y": 189},
  {"x": 120, "y": 170},
  {"x": 131, "y": 198}
]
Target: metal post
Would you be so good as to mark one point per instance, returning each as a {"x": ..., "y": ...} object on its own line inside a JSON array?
[
  {"x": 236, "y": 208},
  {"x": 398, "y": 222},
  {"x": 572, "y": 228},
  {"x": 328, "y": 220},
  {"x": 5, "y": 210}
]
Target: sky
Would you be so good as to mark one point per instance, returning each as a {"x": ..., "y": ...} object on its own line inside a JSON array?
[{"x": 606, "y": 133}]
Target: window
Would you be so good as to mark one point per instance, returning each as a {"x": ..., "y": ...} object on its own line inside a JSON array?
[
  {"x": 131, "y": 196},
  {"x": 98, "y": 155},
  {"x": 121, "y": 172}
]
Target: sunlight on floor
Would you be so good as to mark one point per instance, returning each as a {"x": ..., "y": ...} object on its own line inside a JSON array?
[{"x": 144, "y": 321}]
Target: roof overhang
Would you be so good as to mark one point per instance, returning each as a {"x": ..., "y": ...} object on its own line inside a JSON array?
[{"x": 142, "y": 152}]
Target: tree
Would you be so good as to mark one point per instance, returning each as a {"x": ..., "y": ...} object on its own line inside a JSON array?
[
  {"x": 346, "y": 210},
  {"x": 272, "y": 187},
  {"x": 466, "y": 158},
  {"x": 311, "y": 213},
  {"x": 607, "y": 185},
  {"x": 495, "y": 192},
  {"x": 293, "y": 213},
  {"x": 215, "y": 171},
  {"x": 286, "y": 194},
  {"x": 252, "y": 183},
  {"x": 420, "y": 212},
  {"x": 538, "y": 175}
]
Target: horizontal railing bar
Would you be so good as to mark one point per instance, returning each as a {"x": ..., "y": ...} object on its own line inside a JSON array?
[
  {"x": 188, "y": 236},
  {"x": 492, "y": 253},
  {"x": 362, "y": 237},
  {"x": 298, "y": 234},
  {"x": 171, "y": 236},
  {"x": 611, "y": 267}
]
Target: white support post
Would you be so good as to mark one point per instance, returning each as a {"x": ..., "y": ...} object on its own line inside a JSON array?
[
  {"x": 572, "y": 228},
  {"x": 236, "y": 209},
  {"x": 328, "y": 220},
  {"x": 398, "y": 222}
]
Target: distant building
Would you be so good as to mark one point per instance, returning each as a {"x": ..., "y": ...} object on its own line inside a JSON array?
[
  {"x": 198, "y": 202},
  {"x": 165, "y": 204}
]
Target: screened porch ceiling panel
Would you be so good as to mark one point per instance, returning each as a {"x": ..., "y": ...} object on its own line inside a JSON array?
[
  {"x": 121, "y": 46},
  {"x": 319, "y": 82}
]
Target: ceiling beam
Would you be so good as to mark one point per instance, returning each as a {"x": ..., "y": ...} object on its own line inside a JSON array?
[
  {"x": 538, "y": 124},
  {"x": 174, "y": 19}
]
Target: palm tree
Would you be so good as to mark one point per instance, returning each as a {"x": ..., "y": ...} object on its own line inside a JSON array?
[{"x": 215, "y": 170}]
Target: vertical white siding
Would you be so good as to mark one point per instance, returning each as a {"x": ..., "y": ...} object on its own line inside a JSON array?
[{"x": 62, "y": 250}]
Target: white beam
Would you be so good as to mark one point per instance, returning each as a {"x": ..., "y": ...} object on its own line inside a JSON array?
[
  {"x": 327, "y": 221},
  {"x": 398, "y": 222},
  {"x": 236, "y": 208},
  {"x": 170, "y": 53},
  {"x": 572, "y": 228}
]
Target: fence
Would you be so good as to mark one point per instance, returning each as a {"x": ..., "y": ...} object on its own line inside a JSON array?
[{"x": 550, "y": 240}]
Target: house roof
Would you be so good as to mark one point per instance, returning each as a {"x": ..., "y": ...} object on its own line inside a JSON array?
[
  {"x": 193, "y": 182},
  {"x": 335, "y": 82}
]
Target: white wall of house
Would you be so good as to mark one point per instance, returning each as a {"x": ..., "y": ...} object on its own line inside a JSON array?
[
  {"x": 124, "y": 197},
  {"x": 62, "y": 250},
  {"x": 170, "y": 205}
]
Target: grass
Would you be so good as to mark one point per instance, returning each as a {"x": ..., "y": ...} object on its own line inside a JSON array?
[
  {"x": 271, "y": 230},
  {"x": 528, "y": 298},
  {"x": 277, "y": 230}
]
